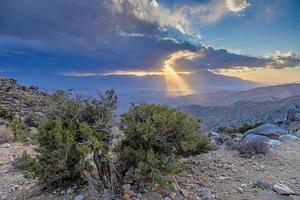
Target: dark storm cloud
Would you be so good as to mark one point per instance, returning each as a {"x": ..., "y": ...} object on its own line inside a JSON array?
[
  {"x": 88, "y": 35},
  {"x": 211, "y": 58}
]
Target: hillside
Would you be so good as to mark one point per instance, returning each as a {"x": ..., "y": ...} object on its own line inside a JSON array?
[
  {"x": 271, "y": 111},
  {"x": 21, "y": 100},
  {"x": 225, "y": 98}
]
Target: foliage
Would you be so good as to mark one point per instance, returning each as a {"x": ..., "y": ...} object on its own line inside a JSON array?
[
  {"x": 26, "y": 163},
  {"x": 5, "y": 114},
  {"x": 62, "y": 150},
  {"x": 155, "y": 136},
  {"x": 20, "y": 130},
  {"x": 77, "y": 127},
  {"x": 244, "y": 128}
]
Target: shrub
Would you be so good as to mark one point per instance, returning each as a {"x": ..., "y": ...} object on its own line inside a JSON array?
[
  {"x": 155, "y": 136},
  {"x": 76, "y": 128},
  {"x": 6, "y": 135},
  {"x": 26, "y": 163},
  {"x": 5, "y": 114},
  {"x": 242, "y": 129},
  {"x": 62, "y": 150},
  {"x": 20, "y": 131}
]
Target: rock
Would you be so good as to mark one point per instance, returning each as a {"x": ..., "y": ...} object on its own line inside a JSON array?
[
  {"x": 214, "y": 134},
  {"x": 298, "y": 134},
  {"x": 274, "y": 143},
  {"x": 79, "y": 197},
  {"x": 287, "y": 138},
  {"x": 262, "y": 185},
  {"x": 269, "y": 130},
  {"x": 126, "y": 197},
  {"x": 206, "y": 193},
  {"x": 167, "y": 198},
  {"x": 184, "y": 193},
  {"x": 126, "y": 187},
  {"x": 293, "y": 115},
  {"x": 70, "y": 190},
  {"x": 241, "y": 190},
  {"x": 5, "y": 145},
  {"x": 282, "y": 189},
  {"x": 252, "y": 138}
]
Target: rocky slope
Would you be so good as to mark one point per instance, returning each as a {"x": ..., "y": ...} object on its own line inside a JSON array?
[
  {"x": 274, "y": 111},
  {"x": 21, "y": 100}
]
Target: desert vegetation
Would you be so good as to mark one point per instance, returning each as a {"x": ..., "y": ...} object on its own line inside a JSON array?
[{"x": 73, "y": 144}]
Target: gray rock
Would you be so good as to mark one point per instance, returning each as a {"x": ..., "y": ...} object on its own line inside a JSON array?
[
  {"x": 274, "y": 143},
  {"x": 282, "y": 189},
  {"x": 214, "y": 134},
  {"x": 70, "y": 190},
  {"x": 206, "y": 193},
  {"x": 269, "y": 130},
  {"x": 262, "y": 185},
  {"x": 5, "y": 145},
  {"x": 287, "y": 138},
  {"x": 252, "y": 139},
  {"x": 126, "y": 187},
  {"x": 241, "y": 190},
  {"x": 298, "y": 134},
  {"x": 293, "y": 115},
  {"x": 79, "y": 197}
]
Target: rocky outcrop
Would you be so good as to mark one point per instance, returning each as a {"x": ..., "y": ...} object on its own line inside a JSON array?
[
  {"x": 268, "y": 130},
  {"x": 20, "y": 100}
]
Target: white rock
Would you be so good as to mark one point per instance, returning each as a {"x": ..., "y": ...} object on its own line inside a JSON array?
[
  {"x": 282, "y": 189},
  {"x": 70, "y": 190},
  {"x": 79, "y": 197},
  {"x": 206, "y": 193},
  {"x": 241, "y": 190},
  {"x": 5, "y": 145}
]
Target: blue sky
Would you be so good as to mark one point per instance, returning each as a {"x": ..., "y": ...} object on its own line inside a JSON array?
[{"x": 69, "y": 43}]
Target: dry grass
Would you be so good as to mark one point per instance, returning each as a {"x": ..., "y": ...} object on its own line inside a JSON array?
[{"x": 6, "y": 135}]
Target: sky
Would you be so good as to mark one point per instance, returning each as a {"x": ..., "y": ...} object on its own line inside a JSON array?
[{"x": 166, "y": 46}]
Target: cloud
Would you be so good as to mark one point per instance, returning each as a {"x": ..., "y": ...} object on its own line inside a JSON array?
[
  {"x": 237, "y": 5},
  {"x": 282, "y": 59}
]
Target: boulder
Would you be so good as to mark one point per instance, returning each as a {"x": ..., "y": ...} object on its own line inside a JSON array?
[
  {"x": 269, "y": 130},
  {"x": 282, "y": 189},
  {"x": 252, "y": 138},
  {"x": 298, "y": 134},
  {"x": 274, "y": 143},
  {"x": 287, "y": 138}
]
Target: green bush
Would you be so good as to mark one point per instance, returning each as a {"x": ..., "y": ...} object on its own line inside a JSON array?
[
  {"x": 155, "y": 136},
  {"x": 76, "y": 128},
  {"x": 20, "y": 130},
  {"x": 245, "y": 127},
  {"x": 5, "y": 114},
  {"x": 62, "y": 150},
  {"x": 26, "y": 163}
]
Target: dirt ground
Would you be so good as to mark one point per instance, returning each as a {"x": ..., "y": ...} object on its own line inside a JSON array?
[{"x": 229, "y": 176}]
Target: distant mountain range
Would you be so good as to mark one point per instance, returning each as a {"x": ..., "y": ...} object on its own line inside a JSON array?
[{"x": 226, "y": 98}]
